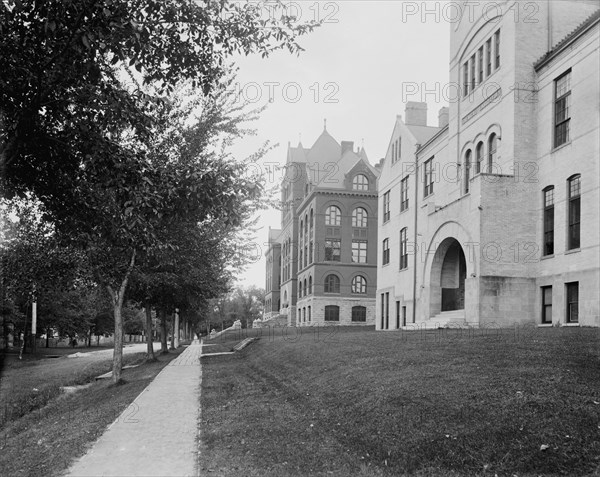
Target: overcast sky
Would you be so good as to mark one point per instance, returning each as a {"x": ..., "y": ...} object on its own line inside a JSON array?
[{"x": 353, "y": 73}]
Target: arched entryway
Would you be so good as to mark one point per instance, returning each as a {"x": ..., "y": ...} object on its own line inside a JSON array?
[{"x": 448, "y": 274}]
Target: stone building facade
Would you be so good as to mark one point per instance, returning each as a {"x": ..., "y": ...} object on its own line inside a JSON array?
[
  {"x": 491, "y": 218},
  {"x": 328, "y": 237}
]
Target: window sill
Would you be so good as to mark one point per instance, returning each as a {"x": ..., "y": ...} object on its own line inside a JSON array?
[
  {"x": 544, "y": 325},
  {"x": 385, "y": 264},
  {"x": 403, "y": 269},
  {"x": 558, "y": 148},
  {"x": 573, "y": 250},
  {"x": 402, "y": 211},
  {"x": 570, "y": 324},
  {"x": 547, "y": 257}
]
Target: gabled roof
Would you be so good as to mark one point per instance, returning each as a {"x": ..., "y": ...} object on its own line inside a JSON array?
[
  {"x": 422, "y": 133},
  {"x": 562, "y": 44},
  {"x": 325, "y": 150},
  {"x": 296, "y": 154}
]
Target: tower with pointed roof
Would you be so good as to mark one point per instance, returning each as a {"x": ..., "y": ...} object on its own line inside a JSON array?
[{"x": 328, "y": 236}]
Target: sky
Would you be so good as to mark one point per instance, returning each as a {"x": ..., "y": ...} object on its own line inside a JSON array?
[{"x": 357, "y": 71}]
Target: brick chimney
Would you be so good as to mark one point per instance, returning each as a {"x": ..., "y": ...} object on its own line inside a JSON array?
[
  {"x": 347, "y": 146},
  {"x": 443, "y": 117},
  {"x": 416, "y": 113}
]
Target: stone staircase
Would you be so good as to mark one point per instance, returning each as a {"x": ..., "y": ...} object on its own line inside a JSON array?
[{"x": 445, "y": 319}]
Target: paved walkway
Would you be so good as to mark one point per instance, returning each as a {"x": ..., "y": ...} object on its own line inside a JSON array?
[{"x": 157, "y": 434}]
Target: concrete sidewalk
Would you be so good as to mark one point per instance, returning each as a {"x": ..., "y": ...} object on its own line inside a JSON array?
[{"x": 156, "y": 435}]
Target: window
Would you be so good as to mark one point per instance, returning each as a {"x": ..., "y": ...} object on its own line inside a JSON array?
[
  {"x": 359, "y": 285},
  {"x": 403, "y": 249},
  {"x": 300, "y": 289},
  {"x": 562, "y": 109},
  {"x": 387, "y": 310},
  {"x": 382, "y": 310},
  {"x": 497, "y": 48},
  {"x": 546, "y": 304},
  {"x": 386, "y": 251},
  {"x": 309, "y": 313},
  {"x": 311, "y": 220},
  {"x": 466, "y": 79},
  {"x": 333, "y": 216},
  {"x": 403, "y": 316},
  {"x": 549, "y": 220},
  {"x": 480, "y": 64},
  {"x": 305, "y": 288},
  {"x": 305, "y": 255},
  {"x": 359, "y": 313},
  {"x": 359, "y": 217},
  {"x": 397, "y": 315},
  {"x": 386, "y": 206},
  {"x": 310, "y": 253},
  {"x": 300, "y": 261},
  {"x": 404, "y": 194},
  {"x": 301, "y": 230},
  {"x": 428, "y": 177},
  {"x": 304, "y": 315},
  {"x": 393, "y": 152},
  {"x": 478, "y": 157},
  {"x": 467, "y": 170},
  {"x": 488, "y": 50},
  {"x": 359, "y": 251},
  {"x": 332, "y": 313},
  {"x": 492, "y": 146},
  {"x": 360, "y": 182},
  {"x": 333, "y": 250},
  {"x": 573, "y": 302},
  {"x": 473, "y": 77},
  {"x": 574, "y": 212},
  {"x": 332, "y": 284},
  {"x": 310, "y": 285}
]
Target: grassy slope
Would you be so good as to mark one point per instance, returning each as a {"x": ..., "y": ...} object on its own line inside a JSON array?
[
  {"x": 55, "y": 430},
  {"x": 439, "y": 403}
]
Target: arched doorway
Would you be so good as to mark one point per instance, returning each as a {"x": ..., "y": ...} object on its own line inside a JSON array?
[{"x": 448, "y": 274}]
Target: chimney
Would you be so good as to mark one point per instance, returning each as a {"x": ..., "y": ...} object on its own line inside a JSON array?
[
  {"x": 379, "y": 165},
  {"x": 443, "y": 117},
  {"x": 347, "y": 146},
  {"x": 416, "y": 113}
]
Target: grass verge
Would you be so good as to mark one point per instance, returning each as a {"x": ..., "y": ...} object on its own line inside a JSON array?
[
  {"x": 59, "y": 428},
  {"x": 444, "y": 402}
]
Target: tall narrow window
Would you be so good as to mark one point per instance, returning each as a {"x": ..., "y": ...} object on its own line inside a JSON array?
[
  {"x": 479, "y": 157},
  {"x": 393, "y": 152},
  {"x": 333, "y": 216},
  {"x": 399, "y": 149},
  {"x": 466, "y": 79},
  {"x": 546, "y": 304},
  {"x": 387, "y": 310},
  {"x": 574, "y": 212},
  {"x": 359, "y": 251},
  {"x": 404, "y": 194},
  {"x": 310, "y": 284},
  {"x": 311, "y": 221},
  {"x": 562, "y": 109},
  {"x": 332, "y": 284},
  {"x": 428, "y": 177},
  {"x": 488, "y": 54},
  {"x": 305, "y": 255},
  {"x": 333, "y": 250},
  {"x": 403, "y": 249},
  {"x": 397, "y": 315},
  {"x": 572, "y": 302},
  {"x": 309, "y": 314},
  {"x": 386, "y": 251},
  {"x": 473, "y": 77},
  {"x": 382, "y": 310},
  {"x": 310, "y": 252},
  {"x": 403, "y": 316},
  {"x": 492, "y": 149},
  {"x": 360, "y": 182},
  {"x": 480, "y": 64},
  {"x": 386, "y": 206},
  {"x": 359, "y": 217},
  {"x": 332, "y": 313},
  {"x": 497, "y": 48},
  {"x": 549, "y": 220},
  {"x": 467, "y": 170}
]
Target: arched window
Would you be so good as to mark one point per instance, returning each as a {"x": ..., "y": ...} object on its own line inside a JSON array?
[
  {"x": 306, "y": 224},
  {"x": 479, "y": 157},
  {"x": 359, "y": 217},
  {"x": 285, "y": 296},
  {"x": 467, "y": 170},
  {"x": 492, "y": 149},
  {"x": 332, "y": 313},
  {"x": 310, "y": 284},
  {"x": 360, "y": 182},
  {"x": 305, "y": 288},
  {"x": 333, "y": 216},
  {"x": 359, "y": 285},
  {"x": 332, "y": 284},
  {"x": 301, "y": 229},
  {"x": 304, "y": 315}
]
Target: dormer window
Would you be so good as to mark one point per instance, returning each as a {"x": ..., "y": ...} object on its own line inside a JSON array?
[{"x": 360, "y": 182}]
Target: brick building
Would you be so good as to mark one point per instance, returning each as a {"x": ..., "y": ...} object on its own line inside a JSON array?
[
  {"x": 491, "y": 218},
  {"x": 328, "y": 237}
]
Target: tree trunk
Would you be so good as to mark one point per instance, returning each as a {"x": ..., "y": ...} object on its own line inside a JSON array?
[
  {"x": 97, "y": 340},
  {"x": 172, "y": 332},
  {"x": 150, "y": 351},
  {"x": 164, "y": 348},
  {"x": 47, "y": 337},
  {"x": 117, "y": 297}
]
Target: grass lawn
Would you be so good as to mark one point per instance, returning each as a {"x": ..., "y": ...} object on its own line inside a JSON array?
[
  {"x": 348, "y": 402},
  {"x": 42, "y": 430}
]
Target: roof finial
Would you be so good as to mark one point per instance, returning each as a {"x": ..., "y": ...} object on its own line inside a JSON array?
[{"x": 325, "y": 124}]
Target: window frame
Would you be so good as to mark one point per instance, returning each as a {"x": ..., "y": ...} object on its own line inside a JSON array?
[
  {"x": 335, "y": 245},
  {"x": 331, "y": 281},
  {"x": 333, "y": 212},
  {"x": 386, "y": 251},
  {"x": 574, "y": 220},
  {"x": 546, "y": 317},
  {"x": 360, "y": 185},
  {"x": 359, "y": 314},
  {"x": 404, "y": 200},
  {"x": 569, "y": 287},
  {"x": 404, "y": 248},
  {"x": 386, "y": 206},
  {"x": 362, "y": 214},
  {"x": 358, "y": 286},
  {"x": 564, "y": 100},
  {"x": 329, "y": 309},
  {"x": 361, "y": 247},
  {"x": 548, "y": 221},
  {"x": 428, "y": 177}
]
